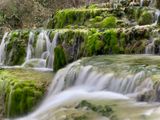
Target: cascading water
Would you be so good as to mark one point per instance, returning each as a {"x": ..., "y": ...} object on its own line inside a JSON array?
[
  {"x": 30, "y": 48},
  {"x": 150, "y": 48},
  {"x": 141, "y": 3},
  {"x": 50, "y": 50},
  {"x": 43, "y": 53},
  {"x": 95, "y": 79},
  {"x": 39, "y": 51},
  {"x": 2, "y": 48},
  {"x": 157, "y": 15}
]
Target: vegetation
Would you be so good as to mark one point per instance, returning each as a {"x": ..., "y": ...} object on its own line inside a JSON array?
[
  {"x": 145, "y": 18},
  {"x": 109, "y": 22},
  {"x": 103, "y": 110},
  {"x": 96, "y": 29},
  {"x": 20, "y": 92},
  {"x": 59, "y": 58}
]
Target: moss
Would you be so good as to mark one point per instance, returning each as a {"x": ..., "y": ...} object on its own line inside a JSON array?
[
  {"x": 131, "y": 12},
  {"x": 2, "y": 18},
  {"x": 136, "y": 47},
  {"x": 94, "y": 44},
  {"x": 98, "y": 18},
  {"x": 102, "y": 110},
  {"x": 75, "y": 16},
  {"x": 109, "y": 22},
  {"x": 92, "y": 6},
  {"x": 50, "y": 23},
  {"x": 59, "y": 58},
  {"x": 16, "y": 47},
  {"x": 20, "y": 96},
  {"x": 145, "y": 18},
  {"x": 111, "y": 42}
]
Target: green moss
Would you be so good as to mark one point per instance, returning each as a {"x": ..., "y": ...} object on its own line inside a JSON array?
[
  {"x": 59, "y": 58},
  {"x": 94, "y": 44},
  {"x": 20, "y": 96},
  {"x": 145, "y": 18},
  {"x": 19, "y": 92},
  {"x": 16, "y": 47},
  {"x": 109, "y": 22},
  {"x": 103, "y": 110},
  {"x": 131, "y": 12},
  {"x": 111, "y": 42},
  {"x": 2, "y": 18},
  {"x": 75, "y": 16}
]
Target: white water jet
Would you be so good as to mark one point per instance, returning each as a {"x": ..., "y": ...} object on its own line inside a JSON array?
[
  {"x": 150, "y": 48},
  {"x": 2, "y": 49},
  {"x": 40, "y": 44},
  {"x": 50, "y": 50},
  {"x": 44, "y": 48},
  {"x": 157, "y": 15},
  {"x": 141, "y": 3},
  {"x": 30, "y": 48}
]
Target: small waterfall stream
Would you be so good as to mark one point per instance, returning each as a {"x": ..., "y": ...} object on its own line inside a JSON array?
[
  {"x": 39, "y": 52},
  {"x": 30, "y": 48},
  {"x": 157, "y": 16},
  {"x": 150, "y": 48},
  {"x": 43, "y": 51},
  {"x": 2, "y": 48}
]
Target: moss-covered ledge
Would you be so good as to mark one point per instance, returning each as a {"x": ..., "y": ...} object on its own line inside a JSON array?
[{"x": 20, "y": 93}]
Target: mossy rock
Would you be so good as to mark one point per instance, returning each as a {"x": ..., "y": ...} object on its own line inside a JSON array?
[
  {"x": 109, "y": 22},
  {"x": 112, "y": 45},
  {"x": 94, "y": 44},
  {"x": 145, "y": 18},
  {"x": 158, "y": 4},
  {"x": 20, "y": 96},
  {"x": 75, "y": 16},
  {"x": 59, "y": 58},
  {"x": 16, "y": 47}
]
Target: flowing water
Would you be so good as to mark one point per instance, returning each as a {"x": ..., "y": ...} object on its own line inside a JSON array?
[
  {"x": 127, "y": 83},
  {"x": 117, "y": 80},
  {"x": 43, "y": 51},
  {"x": 30, "y": 47},
  {"x": 2, "y": 48},
  {"x": 39, "y": 53}
]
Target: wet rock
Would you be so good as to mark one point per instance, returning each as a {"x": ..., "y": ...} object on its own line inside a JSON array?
[{"x": 158, "y": 4}]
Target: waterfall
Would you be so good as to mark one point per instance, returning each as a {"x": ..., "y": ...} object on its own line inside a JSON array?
[
  {"x": 157, "y": 15},
  {"x": 77, "y": 82},
  {"x": 50, "y": 50},
  {"x": 43, "y": 53},
  {"x": 150, "y": 48},
  {"x": 2, "y": 48},
  {"x": 40, "y": 44},
  {"x": 141, "y": 3},
  {"x": 30, "y": 46}
]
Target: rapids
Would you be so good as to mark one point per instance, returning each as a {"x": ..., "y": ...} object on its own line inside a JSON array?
[{"x": 118, "y": 80}]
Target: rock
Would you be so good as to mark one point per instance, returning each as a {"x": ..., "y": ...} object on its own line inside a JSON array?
[{"x": 158, "y": 4}]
